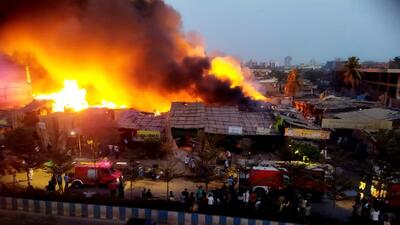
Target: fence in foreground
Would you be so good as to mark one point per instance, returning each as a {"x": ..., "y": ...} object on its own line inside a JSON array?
[{"x": 124, "y": 213}]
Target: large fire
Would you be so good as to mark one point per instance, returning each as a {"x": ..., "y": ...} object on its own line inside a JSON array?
[{"x": 115, "y": 53}]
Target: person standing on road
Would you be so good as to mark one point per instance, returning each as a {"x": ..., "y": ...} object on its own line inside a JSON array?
[
  {"x": 121, "y": 191},
  {"x": 144, "y": 194},
  {"x": 307, "y": 213},
  {"x": 186, "y": 160},
  {"x": 375, "y": 216},
  {"x": 15, "y": 180},
  {"x": 246, "y": 198},
  {"x": 149, "y": 195},
  {"x": 66, "y": 180},
  {"x": 59, "y": 182},
  {"x": 199, "y": 194},
  {"x": 191, "y": 201},
  {"x": 210, "y": 202},
  {"x": 113, "y": 189},
  {"x": 30, "y": 175}
]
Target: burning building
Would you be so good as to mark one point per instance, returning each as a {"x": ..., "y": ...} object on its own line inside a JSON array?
[
  {"x": 15, "y": 87},
  {"x": 116, "y": 54}
]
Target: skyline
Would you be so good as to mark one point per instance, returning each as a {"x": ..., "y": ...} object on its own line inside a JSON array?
[{"x": 314, "y": 29}]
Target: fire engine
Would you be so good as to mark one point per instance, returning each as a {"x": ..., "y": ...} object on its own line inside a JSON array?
[
  {"x": 264, "y": 178},
  {"x": 94, "y": 173}
]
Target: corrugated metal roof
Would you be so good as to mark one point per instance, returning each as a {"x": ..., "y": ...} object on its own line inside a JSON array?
[
  {"x": 370, "y": 114},
  {"x": 133, "y": 119},
  {"x": 187, "y": 115},
  {"x": 219, "y": 119}
]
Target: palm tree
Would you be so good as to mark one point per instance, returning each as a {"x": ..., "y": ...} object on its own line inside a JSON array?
[{"x": 352, "y": 76}]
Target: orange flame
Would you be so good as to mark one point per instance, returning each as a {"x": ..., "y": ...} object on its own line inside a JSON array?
[{"x": 227, "y": 68}]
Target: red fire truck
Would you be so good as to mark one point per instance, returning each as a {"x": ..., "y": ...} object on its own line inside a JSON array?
[
  {"x": 94, "y": 173},
  {"x": 264, "y": 178}
]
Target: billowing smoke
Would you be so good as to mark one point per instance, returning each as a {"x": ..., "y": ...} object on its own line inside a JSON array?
[{"x": 129, "y": 52}]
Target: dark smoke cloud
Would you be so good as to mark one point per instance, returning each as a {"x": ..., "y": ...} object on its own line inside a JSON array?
[{"x": 147, "y": 32}]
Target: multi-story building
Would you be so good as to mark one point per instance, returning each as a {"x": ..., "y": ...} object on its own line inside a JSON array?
[
  {"x": 288, "y": 62},
  {"x": 386, "y": 82}
]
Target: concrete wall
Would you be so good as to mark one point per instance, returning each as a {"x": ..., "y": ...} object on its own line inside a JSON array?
[{"x": 117, "y": 213}]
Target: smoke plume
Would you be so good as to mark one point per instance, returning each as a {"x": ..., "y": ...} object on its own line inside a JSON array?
[{"x": 129, "y": 52}]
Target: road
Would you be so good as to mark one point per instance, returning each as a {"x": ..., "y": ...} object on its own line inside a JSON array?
[
  {"x": 158, "y": 188},
  {"x": 25, "y": 218}
]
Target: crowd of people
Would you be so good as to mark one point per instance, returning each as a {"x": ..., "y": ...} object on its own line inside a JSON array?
[
  {"x": 229, "y": 199},
  {"x": 371, "y": 210},
  {"x": 57, "y": 180}
]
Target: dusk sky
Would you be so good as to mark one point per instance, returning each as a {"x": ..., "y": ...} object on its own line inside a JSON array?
[{"x": 303, "y": 29}]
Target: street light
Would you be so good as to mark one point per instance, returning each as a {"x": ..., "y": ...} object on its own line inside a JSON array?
[{"x": 74, "y": 134}]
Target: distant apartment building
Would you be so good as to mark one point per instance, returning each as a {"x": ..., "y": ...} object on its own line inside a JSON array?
[
  {"x": 384, "y": 81},
  {"x": 288, "y": 62}
]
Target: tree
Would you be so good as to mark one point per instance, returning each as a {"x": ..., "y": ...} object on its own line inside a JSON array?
[
  {"x": 395, "y": 63},
  {"x": 24, "y": 147},
  {"x": 301, "y": 151},
  {"x": 169, "y": 168},
  {"x": 387, "y": 151},
  {"x": 206, "y": 163},
  {"x": 292, "y": 84},
  {"x": 352, "y": 76}
]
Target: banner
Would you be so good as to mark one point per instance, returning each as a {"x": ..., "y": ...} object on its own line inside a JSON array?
[
  {"x": 149, "y": 135},
  {"x": 308, "y": 134},
  {"x": 235, "y": 130},
  {"x": 263, "y": 130}
]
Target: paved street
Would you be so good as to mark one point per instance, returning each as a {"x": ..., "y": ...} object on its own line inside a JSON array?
[{"x": 158, "y": 188}]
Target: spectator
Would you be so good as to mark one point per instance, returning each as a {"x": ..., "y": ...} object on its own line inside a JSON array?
[
  {"x": 116, "y": 151},
  {"x": 307, "y": 213},
  {"x": 229, "y": 182},
  {"x": 53, "y": 180},
  {"x": 186, "y": 160},
  {"x": 249, "y": 155},
  {"x": 184, "y": 196},
  {"x": 113, "y": 189},
  {"x": 228, "y": 155},
  {"x": 30, "y": 175},
  {"x": 149, "y": 195},
  {"x": 226, "y": 165},
  {"x": 210, "y": 201},
  {"x": 192, "y": 163},
  {"x": 140, "y": 171},
  {"x": 191, "y": 201},
  {"x": 15, "y": 180},
  {"x": 388, "y": 217},
  {"x": 246, "y": 197},
  {"x": 171, "y": 196},
  {"x": 66, "y": 180},
  {"x": 144, "y": 194},
  {"x": 375, "y": 216},
  {"x": 59, "y": 182},
  {"x": 199, "y": 194},
  {"x": 121, "y": 191}
]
